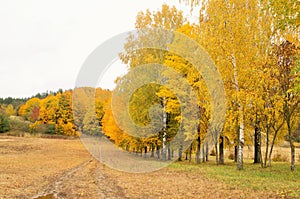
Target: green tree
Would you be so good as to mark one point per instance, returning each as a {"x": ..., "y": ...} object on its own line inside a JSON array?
[{"x": 4, "y": 123}]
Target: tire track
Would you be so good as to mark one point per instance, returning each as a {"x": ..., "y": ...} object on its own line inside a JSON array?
[{"x": 56, "y": 187}]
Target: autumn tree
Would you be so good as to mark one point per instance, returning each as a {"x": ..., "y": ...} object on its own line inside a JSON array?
[
  {"x": 110, "y": 127},
  {"x": 82, "y": 101},
  {"x": 10, "y": 110},
  {"x": 147, "y": 25},
  {"x": 88, "y": 108},
  {"x": 54, "y": 112},
  {"x": 230, "y": 31},
  {"x": 48, "y": 110},
  {"x": 200, "y": 100},
  {"x": 92, "y": 123},
  {"x": 284, "y": 60},
  {"x": 64, "y": 115},
  {"x": 30, "y": 110},
  {"x": 286, "y": 21}
]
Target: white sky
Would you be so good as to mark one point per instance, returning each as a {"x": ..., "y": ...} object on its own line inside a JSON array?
[{"x": 44, "y": 43}]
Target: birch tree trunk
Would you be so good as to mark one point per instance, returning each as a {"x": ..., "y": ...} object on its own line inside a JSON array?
[
  {"x": 198, "y": 148},
  {"x": 241, "y": 145},
  {"x": 157, "y": 152},
  {"x": 190, "y": 153},
  {"x": 291, "y": 145},
  {"x": 272, "y": 145},
  {"x": 203, "y": 153},
  {"x": 145, "y": 151},
  {"x": 257, "y": 144},
  {"x": 241, "y": 116},
  {"x": 206, "y": 152},
  {"x": 152, "y": 151},
  {"x": 169, "y": 151},
  {"x": 267, "y": 149},
  {"x": 180, "y": 153},
  {"x": 164, "y": 139},
  {"x": 221, "y": 150},
  {"x": 217, "y": 153}
]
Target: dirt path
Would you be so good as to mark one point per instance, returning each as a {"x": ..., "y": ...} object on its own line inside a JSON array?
[
  {"x": 83, "y": 181},
  {"x": 56, "y": 187},
  {"x": 33, "y": 167}
]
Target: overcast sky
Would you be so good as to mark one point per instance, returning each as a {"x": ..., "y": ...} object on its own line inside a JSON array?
[{"x": 44, "y": 43}]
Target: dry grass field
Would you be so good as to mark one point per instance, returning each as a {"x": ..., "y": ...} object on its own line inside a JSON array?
[{"x": 62, "y": 168}]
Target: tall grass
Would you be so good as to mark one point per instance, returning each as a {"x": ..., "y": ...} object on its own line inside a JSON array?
[{"x": 277, "y": 179}]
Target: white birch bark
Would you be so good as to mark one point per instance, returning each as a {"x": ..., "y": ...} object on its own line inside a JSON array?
[{"x": 241, "y": 137}]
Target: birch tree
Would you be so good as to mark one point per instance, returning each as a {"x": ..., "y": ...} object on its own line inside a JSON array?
[{"x": 229, "y": 31}]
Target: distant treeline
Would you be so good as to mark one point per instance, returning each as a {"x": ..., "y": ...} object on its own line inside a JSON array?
[
  {"x": 17, "y": 102},
  {"x": 52, "y": 112}
]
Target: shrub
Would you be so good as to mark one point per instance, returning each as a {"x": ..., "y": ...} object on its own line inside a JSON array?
[
  {"x": 4, "y": 123},
  {"x": 16, "y": 133},
  {"x": 231, "y": 156},
  {"x": 38, "y": 128},
  {"x": 17, "y": 124},
  {"x": 280, "y": 158},
  {"x": 50, "y": 129},
  {"x": 212, "y": 152}
]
